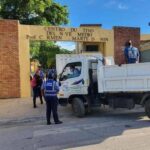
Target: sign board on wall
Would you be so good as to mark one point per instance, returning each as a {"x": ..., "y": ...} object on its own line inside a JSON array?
[{"x": 54, "y": 33}]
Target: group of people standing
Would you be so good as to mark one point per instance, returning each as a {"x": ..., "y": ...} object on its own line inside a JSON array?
[{"x": 46, "y": 87}]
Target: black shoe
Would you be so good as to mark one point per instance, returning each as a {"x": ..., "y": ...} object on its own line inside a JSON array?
[
  {"x": 58, "y": 122},
  {"x": 48, "y": 123},
  {"x": 41, "y": 102},
  {"x": 34, "y": 106}
]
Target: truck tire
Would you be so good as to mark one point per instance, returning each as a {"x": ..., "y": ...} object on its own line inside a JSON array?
[
  {"x": 147, "y": 108},
  {"x": 78, "y": 107}
]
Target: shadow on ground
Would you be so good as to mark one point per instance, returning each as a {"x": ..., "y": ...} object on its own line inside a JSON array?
[{"x": 96, "y": 127}]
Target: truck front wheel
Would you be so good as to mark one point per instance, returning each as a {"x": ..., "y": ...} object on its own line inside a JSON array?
[
  {"x": 78, "y": 107},
  {"x": 147, "y": 108}
]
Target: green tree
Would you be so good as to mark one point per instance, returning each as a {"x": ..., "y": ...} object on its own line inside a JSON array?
[
  {"x": 41, "y": 12},
  {"x": 47, "y": 53},
  {"x": 37, "y": 12}
]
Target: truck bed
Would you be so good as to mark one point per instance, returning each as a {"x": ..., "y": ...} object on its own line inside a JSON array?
[{"x": 124, "y": 78}]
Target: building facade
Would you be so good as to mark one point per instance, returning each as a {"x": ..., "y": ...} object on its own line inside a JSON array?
[{"x": 15, "y": 56}]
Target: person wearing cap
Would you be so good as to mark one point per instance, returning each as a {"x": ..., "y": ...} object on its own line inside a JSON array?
[
  {"x": 131, "y": 53},
  {"x": 52, "y": 71},
  {"x": 50, "y": 89}
]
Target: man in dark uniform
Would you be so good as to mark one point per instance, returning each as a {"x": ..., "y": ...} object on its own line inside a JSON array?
[{"x": 50, "y": 89}]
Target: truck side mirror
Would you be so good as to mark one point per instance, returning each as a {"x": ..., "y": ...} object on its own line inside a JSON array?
[{"x": 60, "y": 77}]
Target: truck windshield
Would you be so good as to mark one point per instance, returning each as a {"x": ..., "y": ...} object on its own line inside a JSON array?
[{"x": 71, "y": 70}]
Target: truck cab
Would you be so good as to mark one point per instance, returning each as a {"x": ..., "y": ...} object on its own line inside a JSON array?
[
  {"x": 88, "y": 81},
  {"x": 82, "y": 86}
]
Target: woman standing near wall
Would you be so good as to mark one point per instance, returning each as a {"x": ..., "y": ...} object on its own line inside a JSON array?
[{"x": 36, "y": 86}]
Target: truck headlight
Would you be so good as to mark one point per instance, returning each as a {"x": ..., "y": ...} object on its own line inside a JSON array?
[{"x": 60, "y": 94}]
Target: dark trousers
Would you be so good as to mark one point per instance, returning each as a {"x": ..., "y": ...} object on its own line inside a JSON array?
[
  {"x": 51, "y": 106},
  {"x": 36, "y": 93}
]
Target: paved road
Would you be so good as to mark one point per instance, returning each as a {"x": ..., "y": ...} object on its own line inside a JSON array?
[{"x": 102, "y": 130}]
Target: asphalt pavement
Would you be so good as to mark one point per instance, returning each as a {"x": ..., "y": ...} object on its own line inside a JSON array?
[{"x": 24, "y": 128}]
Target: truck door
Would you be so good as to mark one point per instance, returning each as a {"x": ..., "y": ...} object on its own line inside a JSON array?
[{"x": 71, "y": 78}]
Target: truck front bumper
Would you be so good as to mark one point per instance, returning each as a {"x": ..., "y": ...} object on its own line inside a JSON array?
[{"x": 63, "y": 101}]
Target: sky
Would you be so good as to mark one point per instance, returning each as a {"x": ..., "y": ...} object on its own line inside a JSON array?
[{"x": 109, "y": 13}]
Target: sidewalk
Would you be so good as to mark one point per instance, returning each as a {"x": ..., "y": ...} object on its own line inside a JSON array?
[{"x": 20, "y": 109}]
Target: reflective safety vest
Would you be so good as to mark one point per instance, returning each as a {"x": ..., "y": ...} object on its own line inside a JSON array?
[{"x": 50, "y": 88}]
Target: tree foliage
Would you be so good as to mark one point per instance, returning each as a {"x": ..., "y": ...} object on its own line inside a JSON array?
[
  {"x": 47, "y": 52},
  {"x": 41, "y": 12},
  {"x": 37, "y": 12}
]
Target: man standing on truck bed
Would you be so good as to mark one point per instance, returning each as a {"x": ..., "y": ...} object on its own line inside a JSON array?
[{"x": 131, "y": 53}]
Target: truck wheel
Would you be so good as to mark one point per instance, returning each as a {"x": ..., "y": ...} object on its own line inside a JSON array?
[
  {"x": 78, "y": 107},
  {"x": 147, "y": 108}
]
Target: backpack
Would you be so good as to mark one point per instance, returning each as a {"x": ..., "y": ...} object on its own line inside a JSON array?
[
  {"x": 132, "y": 53},
  {"x": 33, "y": 82}
]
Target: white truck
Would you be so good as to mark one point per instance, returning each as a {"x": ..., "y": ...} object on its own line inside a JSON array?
[{"x": 98, "y": 83}]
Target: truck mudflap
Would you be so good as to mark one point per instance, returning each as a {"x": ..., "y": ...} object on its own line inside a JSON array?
[{"x": 121, "y": 103}]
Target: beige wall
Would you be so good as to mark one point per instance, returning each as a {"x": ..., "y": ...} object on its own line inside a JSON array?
[
  {"x": 12, "y": 33},
  {"x": 109, "y": 46},
  {"x": 106, "y": 44},
  {"x": 145, "y": 42},
  {"x": 82, "y": 46},
  {"x": 24, "y": 59},
  {"x": 104, "y": 38},
  {"x": 145, "y": 37}
]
